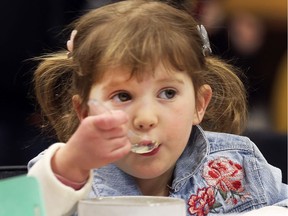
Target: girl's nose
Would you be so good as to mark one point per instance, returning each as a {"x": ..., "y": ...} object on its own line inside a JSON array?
[{"x": 145, "y": 119}]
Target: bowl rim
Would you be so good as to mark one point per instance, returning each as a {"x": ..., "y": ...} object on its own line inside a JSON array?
[{"x": 140, "y": 201}]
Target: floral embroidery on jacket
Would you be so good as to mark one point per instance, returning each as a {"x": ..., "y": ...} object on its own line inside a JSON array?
[
  {"x": 201, "y": 203},
  {"x": 223, "y": 176}
]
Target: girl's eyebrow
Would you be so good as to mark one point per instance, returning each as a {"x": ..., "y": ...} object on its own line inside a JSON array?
[
  {"x": 119, "y": 83},
  {"x": 113, "y": 85},
  {"x": 169, "y": 80}
]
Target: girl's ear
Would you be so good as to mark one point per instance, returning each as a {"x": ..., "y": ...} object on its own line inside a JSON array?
[
  {"x": 80, "y": 110},
  {"x": 203, "y": 98}
]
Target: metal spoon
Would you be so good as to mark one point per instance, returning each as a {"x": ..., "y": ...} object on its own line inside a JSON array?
[{"x": 140, "y": 144}]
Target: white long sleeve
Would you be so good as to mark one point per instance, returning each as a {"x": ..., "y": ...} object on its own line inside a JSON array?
[{"x": 59, "y": 199}]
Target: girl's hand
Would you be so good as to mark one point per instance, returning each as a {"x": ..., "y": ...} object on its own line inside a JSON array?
[{"x": 100, "y": 139}]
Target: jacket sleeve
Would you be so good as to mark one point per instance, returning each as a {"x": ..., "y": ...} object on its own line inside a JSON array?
[
  {"x": 271, "y": 179},
  {"x": 59, "y": 199}
]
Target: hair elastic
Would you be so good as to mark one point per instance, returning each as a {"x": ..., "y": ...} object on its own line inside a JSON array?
[
  {"x": 70, "y": 43},
  {"x": 206, "y": 48}
]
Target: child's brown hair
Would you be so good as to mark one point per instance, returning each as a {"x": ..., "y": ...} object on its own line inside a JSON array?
[{"x": 137, "y": 35}]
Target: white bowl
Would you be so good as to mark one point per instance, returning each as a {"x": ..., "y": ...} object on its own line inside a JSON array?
[{"x": 132, "y": 206}]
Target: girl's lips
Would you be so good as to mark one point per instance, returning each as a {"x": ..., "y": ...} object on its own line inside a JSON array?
[
  {"x": 155, "y": 151},
  {"x": 146, "y": 142}
]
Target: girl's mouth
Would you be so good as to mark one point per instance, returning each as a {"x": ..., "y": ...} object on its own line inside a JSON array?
[
  {"x": 145, "y": 147},
  {"x": 153, "y": 152}
]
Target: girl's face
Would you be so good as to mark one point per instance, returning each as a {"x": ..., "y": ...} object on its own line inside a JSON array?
[{"x": 161, "y": 106}]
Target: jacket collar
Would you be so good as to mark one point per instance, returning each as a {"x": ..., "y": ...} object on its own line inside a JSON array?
[{"x": 191, "y": 159}]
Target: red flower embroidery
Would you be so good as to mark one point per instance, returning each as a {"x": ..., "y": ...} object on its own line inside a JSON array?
[
  {"x": 201, "y": 203},
  {"x": 224, "y": 174},
  {"x": 225, "y": 181}
]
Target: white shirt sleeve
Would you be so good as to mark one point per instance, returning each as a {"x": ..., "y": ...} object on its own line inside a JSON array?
[{"x": 59, "y": 199}]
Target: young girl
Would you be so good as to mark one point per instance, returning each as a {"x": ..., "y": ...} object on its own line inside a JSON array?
[{"x": 144, "y": 67}]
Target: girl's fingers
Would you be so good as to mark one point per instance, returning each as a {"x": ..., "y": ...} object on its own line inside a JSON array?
[
  {"x": 114, "y": 133},
  {"x": 103, "y": 134},
  {"x": 120, "y": 152},
  {"x": 109, "y": 153},
  {"x": 110, "y": 121}
]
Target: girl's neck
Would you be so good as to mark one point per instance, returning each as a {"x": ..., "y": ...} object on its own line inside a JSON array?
[{"x": 157, "y": 186}]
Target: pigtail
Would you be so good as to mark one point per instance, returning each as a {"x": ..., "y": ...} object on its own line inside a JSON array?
[
  {"x": 227, "y": 111},
  {"x": 53, "y": 84}
]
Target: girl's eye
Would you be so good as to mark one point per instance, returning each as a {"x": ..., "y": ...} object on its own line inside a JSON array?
[
  {"x": 167, "y": 94},
  {"x": 122, "y": 97}
]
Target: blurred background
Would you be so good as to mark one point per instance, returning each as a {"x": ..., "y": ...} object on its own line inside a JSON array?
[{"x": 251, "y": 35}]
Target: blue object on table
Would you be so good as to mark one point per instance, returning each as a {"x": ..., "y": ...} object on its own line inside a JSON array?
[{"x": 21, "y": 196}]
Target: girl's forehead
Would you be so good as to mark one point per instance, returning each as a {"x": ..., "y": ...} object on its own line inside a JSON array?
[{"x": 125, "y": 73}]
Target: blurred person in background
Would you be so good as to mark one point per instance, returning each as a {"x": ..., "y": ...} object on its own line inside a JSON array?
[
  {"x": 256, "y": 36},
  {"x": 253, "y": 34}
]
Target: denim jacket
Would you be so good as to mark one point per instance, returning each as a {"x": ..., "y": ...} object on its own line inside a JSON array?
[{"x": 217, "y": 173}]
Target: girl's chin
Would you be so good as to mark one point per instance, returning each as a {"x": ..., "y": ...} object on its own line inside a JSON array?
[{"x": 147, "y": 172}]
